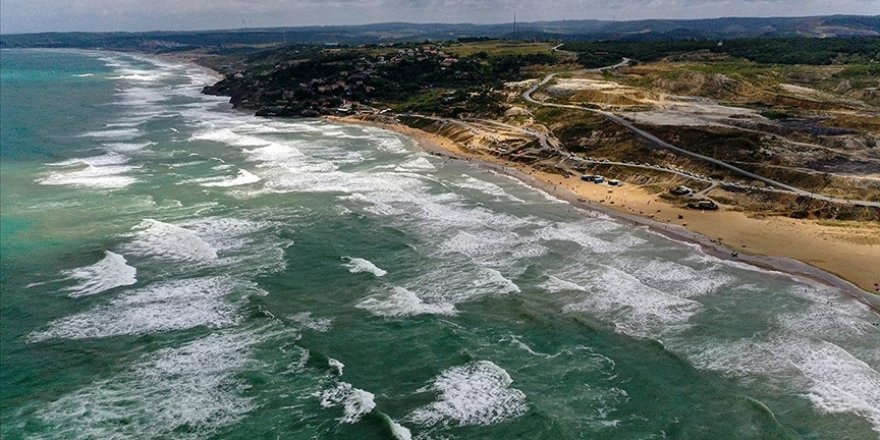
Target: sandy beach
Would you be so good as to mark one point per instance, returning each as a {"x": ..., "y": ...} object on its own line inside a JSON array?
[{"x": 843, "y": 254}]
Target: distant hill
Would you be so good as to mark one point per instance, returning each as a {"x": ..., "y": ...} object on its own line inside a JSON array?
[{"x": 571, "y": 30}]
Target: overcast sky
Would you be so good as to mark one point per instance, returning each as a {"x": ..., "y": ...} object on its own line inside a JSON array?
[{"x": 139, "y": 15}]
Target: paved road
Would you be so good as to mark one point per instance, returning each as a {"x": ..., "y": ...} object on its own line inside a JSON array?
[{"x": 527, "y": 95}]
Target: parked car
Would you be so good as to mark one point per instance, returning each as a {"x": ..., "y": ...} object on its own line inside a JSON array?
[
  {"x": 703, "y": 205},
  {"x": 681, "y": 190}
]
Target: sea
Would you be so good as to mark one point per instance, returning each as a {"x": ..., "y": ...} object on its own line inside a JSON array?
[{"x": 176, "y": 269}]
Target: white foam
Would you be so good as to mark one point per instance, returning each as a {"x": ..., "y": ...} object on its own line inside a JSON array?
[
  {"x": 391, "y": 145},
  {"x": 107, "y": 171},
  {"x": 227, "y": 136},
  {"x": 586, "y": 234},
  {"x": 337, "y": 366},
  {"x": 490, "y": 246},
  {"x": 487, "y": 188},
  {"x": 192, "y": 164},
  {"x": 188, "y": 392},
  {"x": 401, "y": 302},
  {"x": 246, "y": 247},
  {"x": 417, "y": 164},
  {"x": 127, "y": 147},
  {"x": 121, "y": 134},
  {"x": 478, "y": 393},
  {"x": 544, "y": 194},
  {"x": 829, "y": 320},
  {"x": 166, "y": 241},
  {"x": 307, "y": 321},
  {"x": 830, "y": 314},
  {"x": 159, "y": 307},
  {"x": 554, "y": 285},
  {"x": 494, "y": 280},
  {"x": 85, "y": 75},
  {"x": 102, "y": 160},
  {"x": 398, "y": 431},
  {"x": 337, "y": 155},
  {"x": 355, "y": 402},
  {"x": 450, "y": 283},
  {"x": 632, "y": 307},
  {"x": 517, "y": 342},
  {"x": 670, "y": 276},
  {"x": 833, "y": 379},
  {"x": 360, "y": 265},
  {"x": 154, "y": 74},
  {"x": 244, "y": 177},
  {"x": 112, "y": 271}
]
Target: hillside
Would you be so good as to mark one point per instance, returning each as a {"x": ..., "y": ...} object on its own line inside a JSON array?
[{"x": 573, "y": 30}]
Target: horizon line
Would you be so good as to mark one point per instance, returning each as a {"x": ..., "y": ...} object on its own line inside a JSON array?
[{"x": 439, "y": 23}]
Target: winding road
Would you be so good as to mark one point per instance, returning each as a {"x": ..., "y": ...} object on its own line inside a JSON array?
[{"x": 654, "y": 140}]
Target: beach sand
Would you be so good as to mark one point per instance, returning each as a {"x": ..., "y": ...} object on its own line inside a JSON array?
[{"x": 847, "y": 253}]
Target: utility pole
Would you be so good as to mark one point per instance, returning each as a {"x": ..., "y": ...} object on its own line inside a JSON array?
[{"x": 514, "y": 25}]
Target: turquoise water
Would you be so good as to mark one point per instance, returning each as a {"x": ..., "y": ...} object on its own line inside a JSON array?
[{"x": 174, "y": 269}]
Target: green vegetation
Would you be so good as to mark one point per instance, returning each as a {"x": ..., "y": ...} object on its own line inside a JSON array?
[
  {"x": 424, "y": 78},
  {"x": 816, "y": 51},
  {"x": 776, "y": 114}
]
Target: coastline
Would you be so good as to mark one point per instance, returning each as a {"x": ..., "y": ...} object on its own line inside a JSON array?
[
  {"x": 186, "y": 58},
  {"x": 843, "y": 275},
  {"x": 570, "y": 190},
  {"x": 172, "y": 244}
]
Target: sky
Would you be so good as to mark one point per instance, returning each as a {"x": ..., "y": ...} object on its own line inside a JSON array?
[{"x": 18, "y": 16}]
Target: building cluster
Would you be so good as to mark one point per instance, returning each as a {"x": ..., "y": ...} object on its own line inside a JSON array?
[{"x": 354, "y": 81}]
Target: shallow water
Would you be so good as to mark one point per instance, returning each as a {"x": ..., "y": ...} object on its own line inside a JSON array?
[{"x": 174, "y": 269}]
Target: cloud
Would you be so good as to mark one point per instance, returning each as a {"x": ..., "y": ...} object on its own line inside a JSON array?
[{"x": 138, "y": 15}]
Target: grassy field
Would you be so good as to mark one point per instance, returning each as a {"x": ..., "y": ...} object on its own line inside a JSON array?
[
  {"x": 742, "y": 81},
  {"x": 497, "y": 48}
]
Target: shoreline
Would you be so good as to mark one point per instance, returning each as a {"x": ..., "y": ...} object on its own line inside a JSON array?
[{"x": 438, "y": 145}]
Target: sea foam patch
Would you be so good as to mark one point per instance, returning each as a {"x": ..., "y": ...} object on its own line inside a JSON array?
[
  {"x": 167, "y": 241},
  {"x": 108, "y": 171},
  {"x": 632, "y": 307},
  {"x": 487, "y": 188},
  {"x": 188, "y": 392},
  {"x": 159, "y": 307},
  {"x": 417, "y": 164},
  {"x": 361, "y": 265},
  {"x": 590, "y": 234},
  {"x": 355, "y": 402},
  {"x": 400, "y": 302},
  {"x": 555, "y": 285},
  {"x": 240, "y": 245},
  {"x": 830, "y": 314},
  {"x": 832, "y": 378},
  {"x": 671, "y": 276},
  {"x": 479, "y": 393},
  {"x": 244, "y": 177},
  {"x": 491, "y": 247},
  {"x": 398, "y": 431},
  {"x": 112, "y": 271},
  {"x": 307, "y": 321},
  {"x": 119, "y": 134}
]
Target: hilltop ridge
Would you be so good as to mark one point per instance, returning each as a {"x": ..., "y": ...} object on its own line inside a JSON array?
[{"x": 566, "y": 30}]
